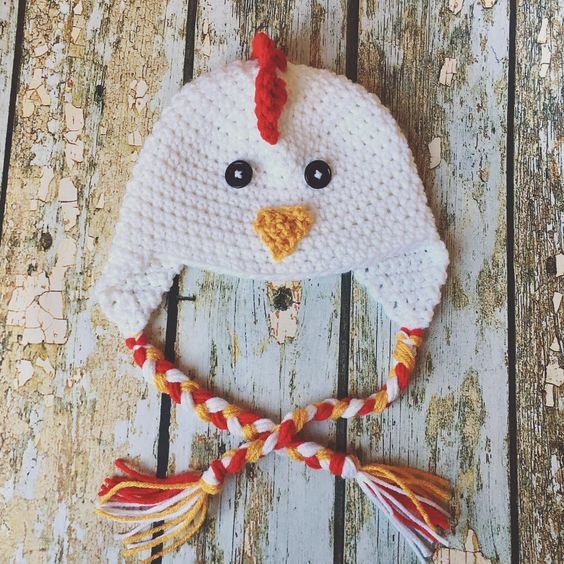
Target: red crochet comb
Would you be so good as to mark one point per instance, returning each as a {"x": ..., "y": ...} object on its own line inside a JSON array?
[{"x": 270, "y": 90}]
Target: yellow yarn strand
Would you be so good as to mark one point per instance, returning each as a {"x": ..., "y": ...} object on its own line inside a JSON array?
[
  {"x": 414, "y": 484},
  {"x": 193, "y": 530},
  {"x": 254, "y": 451},
  {"x": 160, "y": 382},
  {"x": 294, "y": 454},
  {"x": 409, "y": 473},
  {"x": 144, "y": 485},
  {"x": 339, "y": 408},
  {"x": 379, "y": 471},
  {"x": 299, "y": 417},
  {"x": 403, "y": 353},
  {"x": 194, "y": 520},
  {"x": 150, "y": 516},
  {"x": 188, "y": 518}
]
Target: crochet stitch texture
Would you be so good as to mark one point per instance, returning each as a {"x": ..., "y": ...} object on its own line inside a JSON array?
[
  {"x": 270, "y": 170},
  {"x": 372, "y": 218}
]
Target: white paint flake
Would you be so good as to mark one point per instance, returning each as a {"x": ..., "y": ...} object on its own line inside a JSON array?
[
  {"x": 40, "y": 50},
  {"x": 546, "y": 52},
  {"x": 38, "y": 309},
  {"x": 69, "y": 213},
  {"x": 205, "y": 48},
  {"x": 556, "y": 301},
  {"x": 455, "y": 6},
  {"x": 25, "y": 372},
  {"x": 554, "y": 373},
  {"x": 74, "y": 118},
  {"x": 435, "y": 152},
  {"x": 52, "y": 303},
  {"x": 546, "y": 55},
  {"x": 448, "y": 70},
  {"x": 559, "y": 264},
  {"x": 554, "y": 379},
  {"x": 134, "y": 139},
  {"x": 67, "y": 190},
  {"x": 68, "y": 195},
  {"x": 137, "y": 97},
  {"x": 74, "y": 146},
  {"x": 542, "y": 37},
  {"x": 66, "y": 252},
  {"x": 47, "y": 175},
  {"x": 45, "y": 364},
  {"x": 57, "y": 279},
  {"x": 471, "y": 553},
  {"x": 36, "y": 94}
]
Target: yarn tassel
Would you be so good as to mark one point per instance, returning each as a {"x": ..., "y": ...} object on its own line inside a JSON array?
[
  {"x": 412, "y": 500},
  {"x": 175, "y": 507}
]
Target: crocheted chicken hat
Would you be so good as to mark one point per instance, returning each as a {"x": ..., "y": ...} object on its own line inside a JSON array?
[{"x": 271, "y": 170}]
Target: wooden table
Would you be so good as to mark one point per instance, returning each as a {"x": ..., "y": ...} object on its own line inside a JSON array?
[{"x": 475, "y": 84}]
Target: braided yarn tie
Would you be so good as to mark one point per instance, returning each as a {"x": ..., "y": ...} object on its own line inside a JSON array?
[{"x": 411, "y": 499}]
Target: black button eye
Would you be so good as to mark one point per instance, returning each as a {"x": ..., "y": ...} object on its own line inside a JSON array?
[
  {"x": 238, "y": 174},
  {"x": 317, "y": 174}
]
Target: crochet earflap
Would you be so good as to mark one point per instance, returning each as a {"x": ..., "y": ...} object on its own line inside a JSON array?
[{"x": 270, "y": 170}]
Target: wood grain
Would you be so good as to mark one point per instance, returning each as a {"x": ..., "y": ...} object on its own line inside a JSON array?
[
  {"x": 271, "y": 347},
  {"x": 539, "y": 167},
  {"x": 94, "y": 78},
  {"x": 454, "y": 419},
  {"x": 72, "y": 399}
]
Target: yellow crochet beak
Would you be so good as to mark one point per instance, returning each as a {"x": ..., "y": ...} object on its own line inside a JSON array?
[{"x": 282, "y": 228}]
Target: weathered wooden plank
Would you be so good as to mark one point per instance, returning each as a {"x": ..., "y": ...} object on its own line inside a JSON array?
[
  {"x": 265, "y": 346},
  {"x": 94, "y": 77},
  {"x": 539, "y": 267},
  {"x": 454, "y": 419},
  {"x": 8, "y": 24}
]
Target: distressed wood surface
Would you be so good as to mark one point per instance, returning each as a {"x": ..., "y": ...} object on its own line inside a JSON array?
[
  {"x": 8, "y": 24},
  {"x": 94, "y": 77},
  {"x": 454, "y": 419},
  {"x": 539, "y": 271},
  {"x": 268, "y": 346}
]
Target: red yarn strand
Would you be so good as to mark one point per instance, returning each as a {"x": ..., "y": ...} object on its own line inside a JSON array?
[{"x": 270, "y": 90}]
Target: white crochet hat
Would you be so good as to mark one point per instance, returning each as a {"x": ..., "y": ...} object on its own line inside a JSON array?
[
  {"x": 270, "y": 170},
  {"x": 181, "y": 207}
]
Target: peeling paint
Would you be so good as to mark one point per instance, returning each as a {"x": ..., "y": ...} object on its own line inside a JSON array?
[
  {"x": 439, "y": 419},
  {"x": 448, "y": 70},
  {"x": 134, "y": 138},
  {"x": 137, "y": 98},
  {"x": 59, "y": 422},
  {"x": 554, "y": 380},
  {"x": 471, "y": 554},
  {"x": 469, "y": 423},
  {"x": 37, "y": 310},
  {"x": 546, "y": 56},
  {"x": 490, "y": 289},
  {"x": 460, "y": 299},
  {"x": 435, "y": 153},
  {"x": 285, "y": 298},
  {"x": 257, "y": 509},
  {"x": 25, "y": 372},
  {"x": 455, "y": 6},
  {"x": 556, "y": 301}
]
